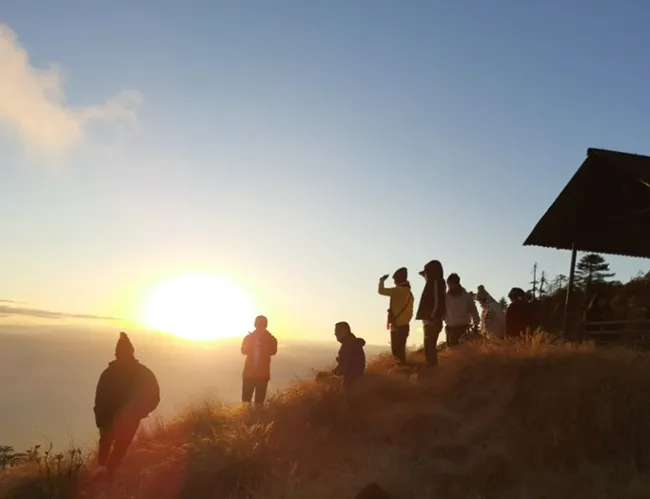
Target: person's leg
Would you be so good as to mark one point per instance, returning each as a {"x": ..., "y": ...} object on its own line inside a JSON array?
[
  {"x": 105, "y": 442},
  {"x": 124, "y": 434},
  {"x": 401, "y": 336},
  {"x": 431, "y": 333},
  {"x": 261, "y": 387},
  {"x": 393, "y": 343},
  {"x": 247, "y": 389}
]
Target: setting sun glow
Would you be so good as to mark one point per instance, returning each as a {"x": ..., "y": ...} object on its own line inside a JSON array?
[{"x": 199, "y": 307}]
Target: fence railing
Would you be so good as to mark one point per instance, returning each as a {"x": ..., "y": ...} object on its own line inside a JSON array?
[{"x": 626, "y": 330}]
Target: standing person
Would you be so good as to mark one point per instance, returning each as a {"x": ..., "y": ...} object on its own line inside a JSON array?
[
  {"x": 258, "y": 347},
  {"x": 519, "y": 314},
  {"x": 492, "y": 315},
  {"x": 127, "y": 392},
  {"x": 431, "y": 309},
  {"x": 461, "y": 311},
  {"x": 351, "y": 360},
  {"x": 400, "y": 311}
]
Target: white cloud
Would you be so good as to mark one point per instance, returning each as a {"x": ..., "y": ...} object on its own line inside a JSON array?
[{"x": 32, "y": 101}]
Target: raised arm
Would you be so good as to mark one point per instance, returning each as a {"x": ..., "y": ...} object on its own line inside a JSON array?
[{"x": 383, "y": 290}]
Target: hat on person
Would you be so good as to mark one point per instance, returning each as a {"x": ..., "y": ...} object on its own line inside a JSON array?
[
  {"x": 124, "y": 347},
  {"x": 401, "y": 274}
]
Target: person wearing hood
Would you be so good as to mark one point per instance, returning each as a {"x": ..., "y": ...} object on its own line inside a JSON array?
[
  {"x": 351, "y": 360},
  {"x": 127, "y": 392},
  {"x": 519, "y": 314},
  {"x": 400, "y": 311},
  {"x": 461, "y": 311},
  {"x": 258, "y": 347},
  {"x": 431, "y": 309},
  {"x": 492, "y": 315}
]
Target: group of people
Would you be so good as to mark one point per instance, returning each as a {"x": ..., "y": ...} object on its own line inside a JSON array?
[
  {"x": 447, "y": 301},
  {"x": 128, "y": 391}
]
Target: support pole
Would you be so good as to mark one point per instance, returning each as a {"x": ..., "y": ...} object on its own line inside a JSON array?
[{"x": 569, "y": 292}]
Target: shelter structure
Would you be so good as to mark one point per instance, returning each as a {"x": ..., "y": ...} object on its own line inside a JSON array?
[{"x": 605, "y": 208}]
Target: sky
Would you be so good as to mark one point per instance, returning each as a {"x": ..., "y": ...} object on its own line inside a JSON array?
[{"x": 302, "y": 149}]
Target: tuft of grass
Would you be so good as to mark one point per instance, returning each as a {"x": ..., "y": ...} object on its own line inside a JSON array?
[{"x": 529, "y": 420}]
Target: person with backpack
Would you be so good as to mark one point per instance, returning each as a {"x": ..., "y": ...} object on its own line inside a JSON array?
[
  {"x": 126, "y": 393},
  {"x": 431, "y": 309},
  {"x": 258, "y": 347},
  {"x": 400, "y": 311},
  {"x": 461, "y": 311}
]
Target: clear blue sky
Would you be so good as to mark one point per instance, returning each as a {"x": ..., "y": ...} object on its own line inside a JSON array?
[{"x": 306, "y": 148}]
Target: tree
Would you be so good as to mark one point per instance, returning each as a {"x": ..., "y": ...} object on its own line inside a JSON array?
[
  {"x": 503, "y": 302},
  {"x": 592, "y": 268}
]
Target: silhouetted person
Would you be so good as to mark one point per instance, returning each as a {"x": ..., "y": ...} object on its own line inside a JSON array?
[
  {"x": 461, "y": 311},
  {"x": 127, "y": 392},
  {"x": 431, "y": 309},
  {"x": 519, "y": 314},
  {"x": 492, "y": 315},
  {"x": 400, "y": 311},
  {"x": 351, "y": 360},
  {"x": 258, "y": 347}
]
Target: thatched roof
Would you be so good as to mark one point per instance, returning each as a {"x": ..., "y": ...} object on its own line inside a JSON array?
[{"x": 605, "y": 208}]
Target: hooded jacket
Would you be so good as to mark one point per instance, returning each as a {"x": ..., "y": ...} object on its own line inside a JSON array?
[
  {"x": 492, "y": 315},
  {"x": 432, "y": 302},
  {"x": 461, "y": 309},
  {"x": 351, "y": 360},
  {"x": 258, "y": 347},
  {"x": 125, "y": 388},
  {"x": 401, "y": 302}
]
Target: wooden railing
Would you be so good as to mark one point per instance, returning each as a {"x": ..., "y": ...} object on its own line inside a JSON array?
[{"x": 628, "y": 331}]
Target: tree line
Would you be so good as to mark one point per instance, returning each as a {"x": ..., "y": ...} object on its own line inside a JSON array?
[{"x": 593, "y": 277}]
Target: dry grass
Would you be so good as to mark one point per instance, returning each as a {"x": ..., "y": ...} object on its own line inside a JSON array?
[{"x": 531, "y": 420}]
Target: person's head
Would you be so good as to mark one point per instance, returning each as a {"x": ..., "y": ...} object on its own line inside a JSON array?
[
  {"x": 124, "y": 349},
  {"x": 401, "y": 275},
  {"x": 341, "y": 331},
  {"x": 261, "y": 323},
  {"x": 481, "y": 294},
  {"x": 517, "y": 294},
  {"x": 453, "y": 282},
  {"x": 432, "y": 270}
]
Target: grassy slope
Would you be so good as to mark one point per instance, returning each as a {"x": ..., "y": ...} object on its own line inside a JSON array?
[{"x": 533, "y": 420}]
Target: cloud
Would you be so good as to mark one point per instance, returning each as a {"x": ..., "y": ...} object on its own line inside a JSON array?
[
  {"x": 10, "y": 311},
  {"x": 32, "y": 101}
]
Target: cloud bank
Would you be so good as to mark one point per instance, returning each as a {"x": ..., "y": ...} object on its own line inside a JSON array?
[
  {"x": 11, "y": 311},
  {"x": 33, "y": 103}
]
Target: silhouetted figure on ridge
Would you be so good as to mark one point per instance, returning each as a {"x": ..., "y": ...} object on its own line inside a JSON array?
[
  {"x": 492, "y": 315},
  {"x": 461, "y": 311},
  {"x": 258, "y": 347},
  {"x": 431, "y": 310},
  {"x": 519, "y": 314},
  {"x": 400, "y": 311},
  {"x": 126, "y": 393},
  {"x": 351, "y": 360}
]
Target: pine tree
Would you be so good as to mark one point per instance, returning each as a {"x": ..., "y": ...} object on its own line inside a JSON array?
[
  {"x": 592, "y": 268},
  {"x": 503, "y": 302}
]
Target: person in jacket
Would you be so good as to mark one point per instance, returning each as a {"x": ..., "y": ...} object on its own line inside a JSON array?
[
  {"x": 258, "y": 347},
  {"x": 351, "y": 359},
  {"x": 461, "y": 311},
  {"x": 431, "y": 309},
  {"x": 127, "y": 392},
  {"x": 492, "y": 315},
  {"x": 519, "y": 314},
  {"x": 400, "y": 311}
]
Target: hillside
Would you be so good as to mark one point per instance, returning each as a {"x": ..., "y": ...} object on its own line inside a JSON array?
[{"x": 528, "y": 421}]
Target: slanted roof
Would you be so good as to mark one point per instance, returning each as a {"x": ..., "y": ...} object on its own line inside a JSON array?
[{"x": 605, "y": 208}]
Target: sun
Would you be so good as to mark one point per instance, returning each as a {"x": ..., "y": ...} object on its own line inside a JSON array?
[{"x": 198, "y": 307}]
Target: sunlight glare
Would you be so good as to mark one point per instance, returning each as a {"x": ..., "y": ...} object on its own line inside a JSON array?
[{"x": 199, "y": 307}]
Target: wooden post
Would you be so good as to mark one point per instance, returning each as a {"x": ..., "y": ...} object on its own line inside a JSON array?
[{"x": 569, "y": 293}]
